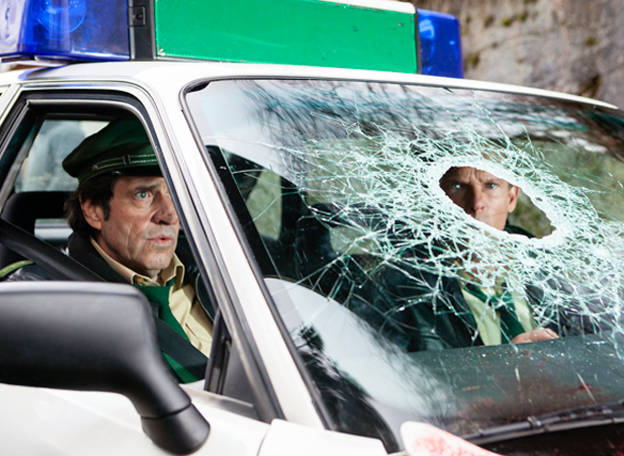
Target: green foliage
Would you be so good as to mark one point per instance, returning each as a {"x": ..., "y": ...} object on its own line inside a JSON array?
[
  {"x": 472, "y": 60},
  {"x": 507, "y": 21}
]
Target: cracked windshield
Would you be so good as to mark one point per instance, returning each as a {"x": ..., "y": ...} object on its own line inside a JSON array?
[{"x": 439, "y": 255}]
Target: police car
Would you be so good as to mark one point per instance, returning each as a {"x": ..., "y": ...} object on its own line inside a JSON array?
[{"x": 304, "y": 153}]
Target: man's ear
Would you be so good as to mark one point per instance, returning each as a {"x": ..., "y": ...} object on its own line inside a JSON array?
[
  {"x": 93, "y": 214},
  {"x": 514, "y": 191}
]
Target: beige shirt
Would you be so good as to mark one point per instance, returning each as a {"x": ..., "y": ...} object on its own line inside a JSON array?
[
  {"x": 185, "y": 308},
  {"x": 488, "y": 320}
]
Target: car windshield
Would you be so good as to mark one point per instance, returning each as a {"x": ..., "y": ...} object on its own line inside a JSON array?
[{"x": 395, "y": 292}]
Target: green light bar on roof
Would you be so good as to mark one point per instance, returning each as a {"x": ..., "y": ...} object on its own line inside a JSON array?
[{"x": 360, "y": 34}]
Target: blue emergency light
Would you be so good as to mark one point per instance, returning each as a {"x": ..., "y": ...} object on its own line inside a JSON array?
[
  {"x": 106, "y": 30},
  {"x": 64, "y": 29},
  {"x": 440, "y": 44}
]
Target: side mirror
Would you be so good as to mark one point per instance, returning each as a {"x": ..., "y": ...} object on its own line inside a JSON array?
[{"x": 96, "y": 337}]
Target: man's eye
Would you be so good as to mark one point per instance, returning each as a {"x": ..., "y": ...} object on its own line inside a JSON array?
[
  {"x": 455, "y": 187},
  {"x": 491, "y": 185},
  {"x": 141, "y": 195}
]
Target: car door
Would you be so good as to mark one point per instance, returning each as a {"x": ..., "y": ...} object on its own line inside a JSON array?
[{"x": 40, "y": 128}]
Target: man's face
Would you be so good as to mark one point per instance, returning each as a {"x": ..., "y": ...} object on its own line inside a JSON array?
[
  {"x": 141, "y": 231},
  {"x": 481, "y": 195}
]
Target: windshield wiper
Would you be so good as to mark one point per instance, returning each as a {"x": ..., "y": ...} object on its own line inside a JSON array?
[{"x": 582, "y": 417}]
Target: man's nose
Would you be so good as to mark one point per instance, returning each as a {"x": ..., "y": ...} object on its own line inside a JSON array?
[
  {"x": 165, "y": 212},
  {"x": 476, "y": 200}
]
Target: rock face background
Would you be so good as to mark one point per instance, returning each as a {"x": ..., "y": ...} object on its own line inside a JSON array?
[{"x": 572, "y": 46}]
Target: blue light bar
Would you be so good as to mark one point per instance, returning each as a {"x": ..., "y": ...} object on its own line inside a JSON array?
[
  {"x": 99, "y": 30},
  {"x": 440, "y": 44},
  {"x": 64, "y": 29}
]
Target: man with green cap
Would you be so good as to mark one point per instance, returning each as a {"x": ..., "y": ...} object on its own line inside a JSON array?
[{"x": 126, "y": 229}]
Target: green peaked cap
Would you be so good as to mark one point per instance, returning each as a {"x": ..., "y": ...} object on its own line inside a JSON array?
[{"x": 121, "y": 148}]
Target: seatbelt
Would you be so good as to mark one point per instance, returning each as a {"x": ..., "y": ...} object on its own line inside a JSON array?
[
  {"x": 47, "y": 257},
  {"x": 180, "y": 350},
  {"x": 65, "y": 267}
]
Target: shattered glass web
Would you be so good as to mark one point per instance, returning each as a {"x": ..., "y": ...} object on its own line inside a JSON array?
[
  {"x": 368, "y": 160},
  {"x": 365, "y": 161}
]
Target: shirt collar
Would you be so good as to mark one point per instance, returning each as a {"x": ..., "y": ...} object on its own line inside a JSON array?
[
  {"x": 467, "y": 277},
  {"x": 174, "y": 270}
]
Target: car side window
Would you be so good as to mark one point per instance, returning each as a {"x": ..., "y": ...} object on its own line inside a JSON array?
[
  {"x": 31, "y": 168},
  {"x": 42, "y": 170},
  {"x": 38, "y": 196}
]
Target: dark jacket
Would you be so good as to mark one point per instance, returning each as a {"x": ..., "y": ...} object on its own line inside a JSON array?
[
  {"x": 409, "y": 306},
  {"x": 417, "y": 310}
]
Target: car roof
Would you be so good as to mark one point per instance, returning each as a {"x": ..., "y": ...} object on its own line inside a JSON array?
[{"x": 165, "y": 75}]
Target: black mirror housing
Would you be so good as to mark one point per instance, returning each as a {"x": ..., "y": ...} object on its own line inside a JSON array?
[{"x": 96, "y": 337}]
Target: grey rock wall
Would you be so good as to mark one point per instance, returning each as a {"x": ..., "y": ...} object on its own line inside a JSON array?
[{"x": 573, "y": 46}]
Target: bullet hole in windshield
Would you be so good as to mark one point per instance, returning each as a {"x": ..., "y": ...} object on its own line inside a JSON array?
[{"x": 494, "y": 201}]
